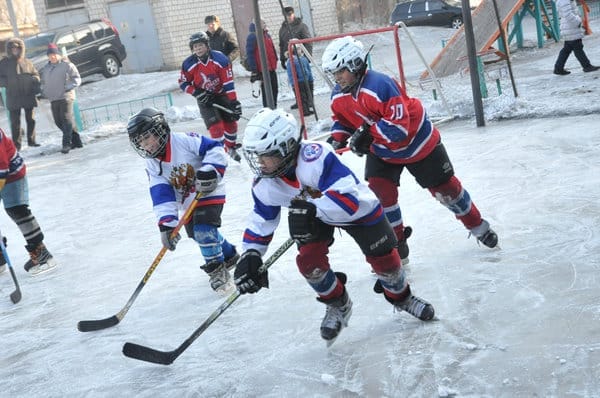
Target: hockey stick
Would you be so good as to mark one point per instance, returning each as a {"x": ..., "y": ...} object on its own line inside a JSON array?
[
  {"x": 224, "y": 109},
  {"x": 98, "y": 324},
  {"x": 15, "y": 296},
  {"x": 148, "y": 354}
]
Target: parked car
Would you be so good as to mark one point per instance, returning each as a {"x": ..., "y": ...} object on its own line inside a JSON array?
[
  {"x": 428, "y": 12},
  {"x": 94, "y": 47}
]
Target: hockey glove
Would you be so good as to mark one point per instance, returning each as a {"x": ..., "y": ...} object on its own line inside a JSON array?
[
  {"x": 247, "y": 275},
  {"x": 236, "y": 109},
  {"x": 254, "y": 77},
  {"x": 206, "y": 181},
  {"x": 361, "y": 140},
  {"x": 204, "y": 97},
  {"x": 335, "y": 143},
  {"x": 302, "y": 221},
  {"x": 168, "y": 241}
]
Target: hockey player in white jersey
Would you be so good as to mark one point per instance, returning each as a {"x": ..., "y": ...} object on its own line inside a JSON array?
[
  {"x": 178, "y": 166},
  {"x": 321, "y": 193}
]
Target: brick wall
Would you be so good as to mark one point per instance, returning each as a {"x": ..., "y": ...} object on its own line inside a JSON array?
[{"x": 176, "y": 20}]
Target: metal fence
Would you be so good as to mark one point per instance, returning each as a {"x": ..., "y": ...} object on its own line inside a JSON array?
[{"x": 122, "y": 110}]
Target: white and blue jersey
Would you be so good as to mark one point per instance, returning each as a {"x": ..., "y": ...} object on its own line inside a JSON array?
[
  {"x": 172, "y": 176},
  {"x": 341, "y": 199}
]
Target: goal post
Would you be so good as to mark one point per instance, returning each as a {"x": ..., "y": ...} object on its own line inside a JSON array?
[{"x": 385, "y": 56}]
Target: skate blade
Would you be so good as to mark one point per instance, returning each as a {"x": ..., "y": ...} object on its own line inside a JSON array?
[{"x": 42, "y": 269}]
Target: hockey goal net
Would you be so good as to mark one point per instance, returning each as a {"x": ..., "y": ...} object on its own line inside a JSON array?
[{"x": 384, "y": 56}]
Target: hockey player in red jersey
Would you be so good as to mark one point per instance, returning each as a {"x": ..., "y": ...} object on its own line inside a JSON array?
[
  {"x": 374, "y": 115},
  {"x": 207, "y": 75},
  {"x": 14, "y": 194}
]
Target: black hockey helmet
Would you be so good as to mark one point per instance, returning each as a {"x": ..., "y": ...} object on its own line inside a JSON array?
[
  {"x": 148, "y": 121},
  {"x": 200, "y": 37}
]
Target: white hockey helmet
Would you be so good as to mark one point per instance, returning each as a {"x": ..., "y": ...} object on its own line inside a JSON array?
[
  {"x": 344, "y": 52},
  {"x": 272, "y": 133}
]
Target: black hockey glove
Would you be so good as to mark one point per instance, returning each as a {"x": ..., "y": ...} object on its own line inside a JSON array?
[
  {"x": 302, "y": 221},
  {"x": 361, "y": 140},
  {"x": 204, "y": 96},
  {"x": 255, "y": 76},
  {"x": 247, "y": 275},
  {"x": 335, "y": 143},
  {"x": 236, "y": 109},
  {"x": 206, "y": 181},
  {"x": 165, "y": 236}
]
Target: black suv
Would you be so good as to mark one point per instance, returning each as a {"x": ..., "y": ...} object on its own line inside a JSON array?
[
  {"x": 94, "y": 47},
  {"x": 429, "y": 12}
]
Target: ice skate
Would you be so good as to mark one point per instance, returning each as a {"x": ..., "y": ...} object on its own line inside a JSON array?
[
  {"x": 40, "y": 260},
  {"x": 416, "y": 306},
  {"x": 232, "y": 261},
  {"x": 219, "y": 277},
  {"x": 485, "y": 234},
  {"x": 337, "y": 313},
  {"x": 233, "y": 153}
]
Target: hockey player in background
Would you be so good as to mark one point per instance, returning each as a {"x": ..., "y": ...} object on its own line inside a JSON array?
[
  {"x": 207, "y": 75},
  {"x": 321, "y": 193},
  {"x": 14, "y": 193},
  {"x": 373, "y": 113},
  {"x": 178, "y": 166}
]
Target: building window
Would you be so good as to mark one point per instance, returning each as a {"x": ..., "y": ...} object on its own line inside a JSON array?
[{"x": 51, "y": 4}]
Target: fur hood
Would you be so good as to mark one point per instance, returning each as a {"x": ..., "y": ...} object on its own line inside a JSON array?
[{"x": 17, "y": 41}]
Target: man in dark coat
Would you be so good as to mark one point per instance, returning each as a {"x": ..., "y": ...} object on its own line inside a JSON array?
[
  {"x": 221, "y": 40},
  {"x": 22, "y": 82},
  {"x": 292, "y": 28}
]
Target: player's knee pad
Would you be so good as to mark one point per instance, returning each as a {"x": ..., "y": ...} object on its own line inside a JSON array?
[
  {"x": 217, "y": 130},
  {"x": 385, "y": 189},
  {"x": 312, "y": 260},
  {"x": 27, "y": 224},
  {"x": 452, "y": 195},
  {"x": 208, "y": 238}
]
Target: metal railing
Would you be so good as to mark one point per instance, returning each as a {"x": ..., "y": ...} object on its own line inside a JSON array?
[{"x": 122, "y": 110}]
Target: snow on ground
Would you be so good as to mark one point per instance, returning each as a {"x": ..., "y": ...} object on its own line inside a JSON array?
[{"x": 514, "y": 322}]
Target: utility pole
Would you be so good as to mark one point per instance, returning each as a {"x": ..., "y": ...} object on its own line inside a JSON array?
[
  {"x": 473, "y": 70},
  {"x": 13, "y": 18}
]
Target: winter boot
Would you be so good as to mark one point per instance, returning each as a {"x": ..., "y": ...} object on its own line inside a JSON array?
[
  {"x": 485, "y": 234},
  {"x": 220, "y": 280},
  {"x": 561, "y": 72},
  {"x": 40, "y": 259},
  {"x": 76, "y": 141},
  {"x": 591, "y": 68},
  {"x": 2, "y": 259},
  {"x": 415, "y": 306},
  {"x": 337, "y": 313}
]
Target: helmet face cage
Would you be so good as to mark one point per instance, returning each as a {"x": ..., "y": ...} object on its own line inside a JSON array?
[
  {"x": 144, "y": 124},
  {"x": 344, "y": 52},
  {"x": 199, "y": 37},
  {"x": 271, "y": 133}
]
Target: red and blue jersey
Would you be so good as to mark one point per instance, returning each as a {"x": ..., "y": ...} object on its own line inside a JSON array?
[
  {"x": 401, "y": 131},
  {"x": 340, "y": 198},
  {"x": 12, "y": 166},
  {"x": 214, "y": 75}
]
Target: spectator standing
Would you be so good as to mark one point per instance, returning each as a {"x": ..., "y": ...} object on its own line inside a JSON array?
[
  {"x": 292, "y": 28},
  {"x": 253, "y": 57},
  {"x": 22, "y": 82},
  {"x": 14, "y": 193},
  {"x": 59, "y": 80},
  {"x": 306, "y": 82},
  {"x": 572, "y": 32},
  {"x": 221, "y": 40}
]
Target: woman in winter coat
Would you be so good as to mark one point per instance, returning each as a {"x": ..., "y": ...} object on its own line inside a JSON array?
[
  {"x": 571, "y": 31},
  {"x": 22, "y": 82}
]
